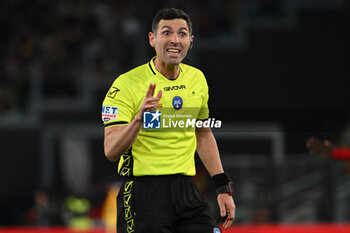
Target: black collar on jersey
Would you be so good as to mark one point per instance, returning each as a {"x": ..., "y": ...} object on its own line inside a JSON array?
[{"x": 150, "y": 66}]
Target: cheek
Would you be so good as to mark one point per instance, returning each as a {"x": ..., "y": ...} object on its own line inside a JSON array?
[
  {"x": 185, "y": 48},
  {"x": 158, "y": 49},
  {"x": 186, "y": 44},
  {"x": 157, "y": 45}
]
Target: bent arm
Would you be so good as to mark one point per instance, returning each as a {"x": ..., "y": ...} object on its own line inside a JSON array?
[{"x": 119, "y": 139}]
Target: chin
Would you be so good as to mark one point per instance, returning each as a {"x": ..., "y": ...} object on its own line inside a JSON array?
[{"x": 174, "y": 61}]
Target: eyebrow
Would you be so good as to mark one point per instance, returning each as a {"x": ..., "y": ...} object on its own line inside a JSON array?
[{"x": 180, "y": 29}]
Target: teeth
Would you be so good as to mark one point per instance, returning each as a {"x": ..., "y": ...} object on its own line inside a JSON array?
[{"x": 173, "y": 50}]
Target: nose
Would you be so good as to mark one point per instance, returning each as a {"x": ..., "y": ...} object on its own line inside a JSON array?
[{"x": 175, "y": 39}]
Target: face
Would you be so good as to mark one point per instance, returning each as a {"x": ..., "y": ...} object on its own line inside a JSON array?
[{"x": 171, "y": 41}]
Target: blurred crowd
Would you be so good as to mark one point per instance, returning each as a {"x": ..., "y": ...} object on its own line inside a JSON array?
[
  {"x": 76, "y": 211},
  {"x": 48, "y": 47},
  {"x": 54, "y": 42}
]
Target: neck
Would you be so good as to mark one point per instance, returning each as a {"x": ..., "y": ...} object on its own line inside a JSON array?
[{"x": 170, "y": 71}]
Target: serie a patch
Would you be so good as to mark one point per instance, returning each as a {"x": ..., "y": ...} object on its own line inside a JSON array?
[
  {"x": 177, "y": 102},
  {"x": 109, "y": 113}
]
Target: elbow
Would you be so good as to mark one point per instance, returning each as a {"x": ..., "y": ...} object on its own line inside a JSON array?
[{"x": 111, "y": 156}]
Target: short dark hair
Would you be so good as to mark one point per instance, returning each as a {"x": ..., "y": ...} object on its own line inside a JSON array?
[{"x": 171, "y": 13}]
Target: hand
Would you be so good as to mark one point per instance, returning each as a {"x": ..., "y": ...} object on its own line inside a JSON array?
[
  {"x": 317, "y": 147},
  {"x": 227, "y": 206},
  {"x": 150, "y": 102}
]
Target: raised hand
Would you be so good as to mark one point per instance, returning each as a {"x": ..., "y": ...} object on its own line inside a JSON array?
[{"x": 150, "y": 102}]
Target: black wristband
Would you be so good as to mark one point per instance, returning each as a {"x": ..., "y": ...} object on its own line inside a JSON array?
[
  {"x": 225, "y": 189},
  {"x": 220, "y": 180},
  {"x": 223, "y": 183}
]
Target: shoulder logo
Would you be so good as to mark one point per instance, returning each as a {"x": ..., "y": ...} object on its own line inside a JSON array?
[
  {"x": 109, "y": 113},
  {"x": 177, "y": 102},
  {"x": 217, "y": 230},
  {"x": 112, "y": 92}
]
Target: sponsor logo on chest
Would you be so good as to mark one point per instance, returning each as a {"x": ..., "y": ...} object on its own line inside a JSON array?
[{"x": 174, "y": 88}]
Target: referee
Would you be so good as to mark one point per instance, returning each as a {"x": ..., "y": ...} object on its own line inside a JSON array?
[{"x": 157, "y": 165}]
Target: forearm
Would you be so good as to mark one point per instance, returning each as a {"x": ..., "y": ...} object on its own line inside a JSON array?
[
  {"x": 208, "y": 152},
  {"x": 118, "y": 141}
]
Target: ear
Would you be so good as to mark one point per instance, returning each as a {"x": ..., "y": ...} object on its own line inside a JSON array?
[
  {"x": 191, "y": 41},
  {"x": 151, "y": 38}
]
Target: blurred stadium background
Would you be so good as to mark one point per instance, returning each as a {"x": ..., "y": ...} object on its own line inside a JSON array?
[{"x": 277, "y": 70}]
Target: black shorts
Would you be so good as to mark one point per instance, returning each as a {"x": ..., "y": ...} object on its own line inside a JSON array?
[{"x": 163, "y": 204}]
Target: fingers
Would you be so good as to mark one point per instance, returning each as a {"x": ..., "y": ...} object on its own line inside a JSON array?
[
  {"x": 150, "y": 91},
  {"x": 159, "y": 95},
  {"x": 228, "y": 222},
  {"x": 150, "y": 102},
  {"x": 222, "y": 209},
  {"x": 227, "y": 207},
  {"x": 230, "y": 217}
]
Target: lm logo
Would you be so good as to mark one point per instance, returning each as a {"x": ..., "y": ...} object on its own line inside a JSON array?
[{"x": 151, "y": 120}]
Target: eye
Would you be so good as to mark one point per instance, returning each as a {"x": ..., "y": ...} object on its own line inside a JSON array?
[
  {"x": 166, "y": 33},
  {"x": 183, "y": 34}
]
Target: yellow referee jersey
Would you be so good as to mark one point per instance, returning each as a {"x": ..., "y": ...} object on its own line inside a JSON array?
[{"x": 169, "y": 147}]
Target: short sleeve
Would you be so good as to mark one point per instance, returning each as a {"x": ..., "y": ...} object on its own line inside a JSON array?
[
  {"x": 117, "y": 107},
  {"x": 204, "y": 111}
]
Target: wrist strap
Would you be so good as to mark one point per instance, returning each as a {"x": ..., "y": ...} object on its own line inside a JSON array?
[
  {"x": 223, "y": 184},
  {"x": 225, "y": 189}
]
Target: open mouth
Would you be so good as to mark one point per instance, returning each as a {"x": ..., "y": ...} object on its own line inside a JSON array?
[{"x": 174, "y": 51}]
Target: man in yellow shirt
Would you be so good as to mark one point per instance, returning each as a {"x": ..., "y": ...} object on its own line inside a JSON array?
[{"x": 155, "y": 138}]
